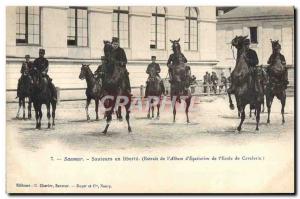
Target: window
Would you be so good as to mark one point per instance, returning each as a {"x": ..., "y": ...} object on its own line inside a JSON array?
[
  {"x": 77, "y": 27},
  {"x": 28, "y": 25},
  {"x": 191, "y": 29},
  {"x": 158, "y": 28},
  {"x": 120, "y": 25},
  {"x": 253, "y": 35}
]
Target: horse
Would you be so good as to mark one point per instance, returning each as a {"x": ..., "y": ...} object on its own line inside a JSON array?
[
  {"x": 155, "y": 90},
  {"x": 275, "y": 86},
  {"x": 41, "y": 94},
  {"x": 181, "y": 81},
  {"x": 93, "y": 90},
  {"x": 24, "y": 91},
  {"x": 114, "y": 88},
  {"x": 242, "y": 79}
]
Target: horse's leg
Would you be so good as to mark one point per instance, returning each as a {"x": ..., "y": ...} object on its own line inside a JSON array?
[
  {"x": 48, "y": 114},
  {"x": 36, "y": 115},
  {"x": 188, "y": 103},
  {"x": 120, "y": 113},
  {"x": 23, "y": 105},
  {"x": 250, "y": 113},
  {"x": 20, "y": 103},
  {"x": 53, "y": 112},
  {"x": 96, "y": 108},
  {"x": 88, "y": 101},
  {"x": 174, "y": 109},
  {"x": 152, "y": 108},
  {"x": 108, "y": 121},
  {"x": 230, "y": 102},
  {"x": 263, "y": 105},
  {"x": 40, "y": 115},
  {"x": 257, "y": 110},
  {"x": 283, "y": 100},
  {"x": 242, "y": 110},
  {"x": 127, "y": 106},
  {"x": 148, "y": 115},
  {"x": 269, "y": 99},
  {"x": 29, "y": 108},
  {"x": 158, "y": 107}
]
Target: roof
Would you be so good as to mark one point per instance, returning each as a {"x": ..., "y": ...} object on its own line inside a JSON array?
[{"x": 262, "y": 11}]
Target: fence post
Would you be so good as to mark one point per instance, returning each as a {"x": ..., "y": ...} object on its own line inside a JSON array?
[
  {"x": 142, "y": 91},
  {"x": 58, "y": 94}
]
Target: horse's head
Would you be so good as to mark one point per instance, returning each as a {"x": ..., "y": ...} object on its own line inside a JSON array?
[
  {"x": 238, "y": 41},
  {"x": 85, "y": 70},
  {"x": 276, "y": 47},
  {"x": 107, "y": 48},
  {"x": 176, "y": 46}
]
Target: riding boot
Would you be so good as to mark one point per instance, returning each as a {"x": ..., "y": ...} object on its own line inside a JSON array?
[
  {"x": 231, "y": 89},
  {"x": 53, "y": 91},
  {"x": 18, "y": 88},
  {"x": 170, "y": 75},
  {"x": 146, "y": 90},
  {"x": 128, "y": 83}
]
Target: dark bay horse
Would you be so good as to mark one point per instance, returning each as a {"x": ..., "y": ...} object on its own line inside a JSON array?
[
  {"x": 242, "y": 79},
  {"x": 40, "y": 95},
  {"x": 181, "y": 81},
  {"x": 93, "y": 90},
  {"x": 114, "y": 89},
  {"x": 24, "y": 91},
  {"x": 155, "y": 91},
  {"x": 275, "y": 86}
]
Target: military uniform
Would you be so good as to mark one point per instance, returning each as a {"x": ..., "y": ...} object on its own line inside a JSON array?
[
  {"x": 156, "y": 67},
  {"x": 26, "y": 69},
  {"x": 41, "y": 64},
  {"x": 118, "y": 57},
  {"x": 272, "y": 61},
  {"x": 173, "y": 60}
]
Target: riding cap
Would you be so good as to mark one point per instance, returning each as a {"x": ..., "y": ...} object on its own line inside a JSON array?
[
  {"x": 153, "y": 57},
  {"x": 115, "y": 39},
  {"x": 27, "y": 56},
  {"x": 246, "y": 41},
  {"x": 42, "y": 50}
]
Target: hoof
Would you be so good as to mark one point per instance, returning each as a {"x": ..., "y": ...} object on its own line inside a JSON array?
[
  {"x": 148, "y": 116},
  {"x": 239, "y": 129},
  {"x": 49, "y": 126},
  {"x": 257, "y": 130},
  {"x": 283, "y": 122},
  {"x": 231, "y": 106},
  {"x": 88, "y": 118},
  {"x": 104, "y": 132},
  {"x": 268, "y": 122},
  {"x": 129, "y": 130}
]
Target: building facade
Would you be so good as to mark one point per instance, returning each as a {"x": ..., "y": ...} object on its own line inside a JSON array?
[
  {"x": 74, "y": 35},
  {"x": 261, "y": 24}
]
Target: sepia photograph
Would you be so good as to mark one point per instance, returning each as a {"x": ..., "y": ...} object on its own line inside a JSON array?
[{"x": 150, "y": 99}]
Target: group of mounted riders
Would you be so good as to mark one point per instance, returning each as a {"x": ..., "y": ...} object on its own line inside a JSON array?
[{"x": 248, "y": 80}]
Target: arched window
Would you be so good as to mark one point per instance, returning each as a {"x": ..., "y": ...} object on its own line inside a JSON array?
[
  {"x": 158, "y": 28},
  {"x": 121, "y": 25},
  {"x": 28, "y": 25},
  {"x": 191, "y": 29}
]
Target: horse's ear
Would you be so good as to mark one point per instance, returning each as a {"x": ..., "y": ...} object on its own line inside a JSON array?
[
  {"x": 171, "y": 41},
  {"x": 178, "y": 40}
]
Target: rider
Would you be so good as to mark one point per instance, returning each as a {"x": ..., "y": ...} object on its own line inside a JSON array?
[
  {"x": 156, "y": 67},
  {"x": 252, "y": 61},
  {"x": 118, "y": 57},
  {"x": 25, "y": 70},
  {"x": 41, "y": 65},
  {"x": 101, "y": 68},
  {"x": 175, "y": 59},
  {"x": 276, "y": 51}
]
